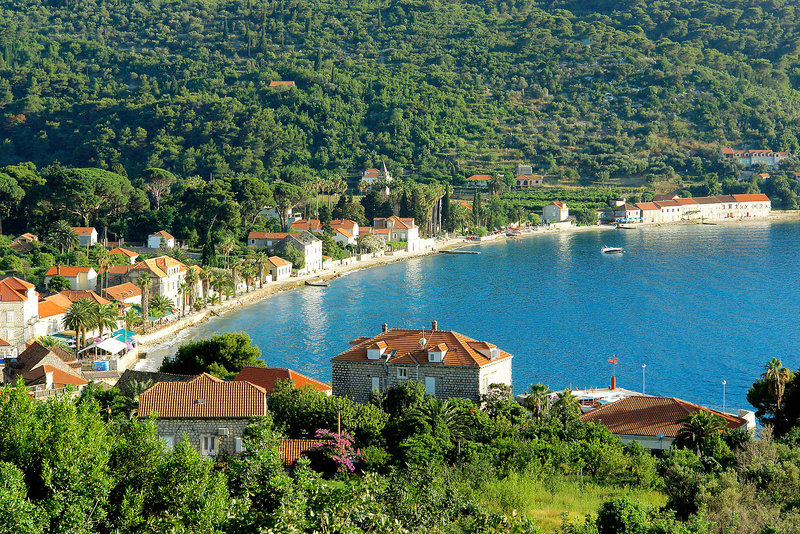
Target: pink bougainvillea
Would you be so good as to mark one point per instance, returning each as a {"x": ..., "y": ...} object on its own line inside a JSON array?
[{"x": 338, "y": 448}]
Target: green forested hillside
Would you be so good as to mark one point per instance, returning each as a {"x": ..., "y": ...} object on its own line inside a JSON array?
[{"x": 600, "y": 90}]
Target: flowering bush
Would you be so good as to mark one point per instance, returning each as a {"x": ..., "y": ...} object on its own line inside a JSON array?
[{"x": 333, "y": 453}]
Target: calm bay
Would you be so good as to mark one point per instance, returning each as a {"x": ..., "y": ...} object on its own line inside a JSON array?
[{"x": 698, "y": 304}]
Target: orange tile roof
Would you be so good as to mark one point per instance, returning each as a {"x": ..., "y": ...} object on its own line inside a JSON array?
[
  {"x": 162, "y": 233},
  {"x": 281, "y": 83},
  {"x": 664, "y": 196},
  {"x": 157, "y": 266},
  {"x": 48, "y": 308},
  {"x": 59, "y": 300},
  {"x": 268, "y": 377},
  {"x": 647, "y": 206},
  {"x": 13, "y": 289},
  {"x": 558, "y": 204},
  {"x": 83, "y": 230},
  {"x": 60, "y": 378},
  {"x": 204, "y": 396},
  {"x": 123, "y": 291},
  {"x": 650, "y": 416},
  {"x": 461, "y": 350},
  {"x": 4, "y": 343},
  {"x": 278, "y": 262},
  {"x": 305, "y": 224},
  {"x": 480, "y": 178},
  {"x": 124, "y": 252},
  {"x": 267, "y": 235},
  {"x": 752, "y": 198},
  {"x": 686, "y": 201},
  {"x": 343, "y": 232},
  {"x": 66, "y": 270},
  {"x": 344, "y": 223},
  {"x": 706, "y": 200},
  {"x": 76, "y": 294},
  {"x": 292, "y": 449},
  {"x": 666, "y": 203}
]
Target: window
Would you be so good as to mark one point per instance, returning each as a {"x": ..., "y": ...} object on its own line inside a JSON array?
[
  {"x": 402, "y": 373},
  {"x": 208, "y": 445},
  {"x": 430, "y": 385},
  {"x": 9, "y": 316},
  {"x": 376, "y": 383},
  {"x": 168, "y": 441}
]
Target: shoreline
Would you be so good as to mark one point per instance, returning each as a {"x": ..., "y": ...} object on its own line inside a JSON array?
[{"x": 157, "y": 345}]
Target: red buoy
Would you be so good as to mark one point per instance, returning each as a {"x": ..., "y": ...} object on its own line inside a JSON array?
[{"x": 613, "y": 361}]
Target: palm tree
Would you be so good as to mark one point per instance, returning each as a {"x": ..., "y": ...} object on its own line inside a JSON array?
[
  {"x": 539, "y": 400},
  {"x": 497, "y": 184},
  {"x": 106, "y": 316},
  {"x": 51, "y": 342},
  {"x": 161, "y": 304},
  {"x": 236, "y": 268},
  {"x": 227, "y": 245},
  {"x": 697, "y": 430},
  {"x": 777, "y": 377},
  {"x": 132, "y": 317},
  {"x": 183, "y": 291},
  {"x": 145, "y": 283},
  {"x": 191, "y": 278},
  {"x": 80, "y": 318},
  {"x": 205, "y": 279},
  {"x": 442, "y": 415},
  {"x": 261, "y": 261},
  {"x": 249, "y": 274},
  {"x": 63, "y": 237},
  {"x": 103, "y": 264},
  {"x": 567, "y": 403}
]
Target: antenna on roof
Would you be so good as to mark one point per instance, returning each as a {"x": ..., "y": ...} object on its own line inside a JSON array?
[{"x": 422, "y": 340}]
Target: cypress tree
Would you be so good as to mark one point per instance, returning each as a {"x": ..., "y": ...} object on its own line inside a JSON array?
[{"x": 446, "y": 216}]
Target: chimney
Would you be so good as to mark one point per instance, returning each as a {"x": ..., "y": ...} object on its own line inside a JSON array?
[
  {"x": 435, "y": 326},
  {"x": 384, "y": 327}
]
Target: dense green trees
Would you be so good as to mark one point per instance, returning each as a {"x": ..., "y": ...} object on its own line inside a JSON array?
[{"x": 224, "y": 355}]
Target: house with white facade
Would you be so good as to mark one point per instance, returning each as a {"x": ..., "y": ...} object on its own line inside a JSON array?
[
  {"x": 555, "y": 212},
  {"x": 166, "y": 273},
  {"x": 670, "y": 210},
  {"x": 129, "y": 255},
  {"x": 271, "y": 212},
  {"x": 19, "y": 310},
  {"x": 533, "y": 180},
  {"x": 373, "y": 176},
  {"x": 51, "y": 318},
  {"x": 400, "y": 228},
  {"x": 344, "y": 237},
  {"x": 78, "y": 277},
  {"x": 279, "y": 268},
  {"x": 87, "y": 235},
  {"x": 649, "y": 212},
  {"x": 127, "y": 293},
  {"x": 309, "y": 245},
  {"x": 155, "y": 240},
  {"x": 312, "y": 225},
  {"x": 754, "y": 205},
  {"x": 478, "y": 180},
  {"x": 346, "y": 224},
  {"x": 448, "y": 363}
]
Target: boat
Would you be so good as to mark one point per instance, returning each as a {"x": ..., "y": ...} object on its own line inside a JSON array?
[
  {"x": 317, "y": 283},
  {"x": 460, "y": 252},
  {"x": 611, "y": 250}
]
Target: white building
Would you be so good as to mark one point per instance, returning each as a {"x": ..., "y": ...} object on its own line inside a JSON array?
[
  {"x": 533, "y": 180},
  {"x": 649, "y": 212},
  {"x": 167, "y": 275},
  {"x": 87, "y": 235},
  {"x": 307, "y": 244},
  {"x": 748, "y": 158},
  {"x": 78, "y": 277},
  {"x": 479, "y": 180},
  {"x": 155, "y": 240},
  {"x": 265, "y": 239},
  {"x": 343, "y": 237},
  {"x": 400, "y": 228},
  {"x": 128, "y": 254},
  {"x": 19, "y": 310},
  {"x": 51, "y": 319},
  {"x": 279, "y": 268},
  {"x": 555, "y": 212}
]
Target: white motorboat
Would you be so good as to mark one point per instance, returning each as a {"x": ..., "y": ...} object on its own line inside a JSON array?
[{"x": 611, "y": 250}]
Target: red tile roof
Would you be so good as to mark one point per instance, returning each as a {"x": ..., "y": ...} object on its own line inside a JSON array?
[
  {"x": 343, "y": 232},
  {"x": 124, "y": 252},
  {"x": 650, "y": 416},
  {"x": 48, "y": 309},
  {"x": 344, "y": 223},
  {"x": 558, "y": 204},
  {"x": 59, "y": 300},
  {"x": 292, "y": 449},
  {"x": 66, "y": 270},
  {"x": 480, "y": 178},
  {"x": 83, "y": 230},
  {"x": 268, "y": 377},
  {"x": 305, "y": 224},
  {"x": 267, "y": 235},
  {"x": 4, "y": 343},
  {"x": 123, "y": 291},
  {"x": 752, "y": 198},
  {"x": 13, "y": 289},
  {"x": 647, "y": 206},
  {"x": 404, "y": 344},
  {"x": 60, "y": 378},
  {"x": 281, "y": 83},
  {"x": 686, "y": 201},
  {"x": 278, "y": 262},
  {"x": 666, "y": 203},
  {"x": 76, "y": 294},
  {"x": 204, "y": 396},
  {"x": 664, "y": 196},
  {"x": 162, "y": 233}
]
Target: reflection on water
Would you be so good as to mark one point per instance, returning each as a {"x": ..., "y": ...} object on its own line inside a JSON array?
[{"x": 697, "y": 304}]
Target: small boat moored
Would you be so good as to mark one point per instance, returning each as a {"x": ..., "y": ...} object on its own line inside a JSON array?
[
  {"x": 611, "y": 250},
  {"x": 317, "y": 283}
]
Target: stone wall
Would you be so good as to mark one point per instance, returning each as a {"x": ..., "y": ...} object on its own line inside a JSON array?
[
  {"x": 354, "y": 379},
  {"x": 194, "y": 429}
]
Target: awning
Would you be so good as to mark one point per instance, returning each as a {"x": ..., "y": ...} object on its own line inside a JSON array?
[
  {"x": 110, "y": 345},
  {"x": 125, "y": 335}
]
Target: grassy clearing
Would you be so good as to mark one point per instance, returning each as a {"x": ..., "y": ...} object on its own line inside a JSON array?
[{"x": 547, "y": 499}]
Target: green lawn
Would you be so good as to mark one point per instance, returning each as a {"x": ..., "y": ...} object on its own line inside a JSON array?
[{"x": 547, "y": 499}]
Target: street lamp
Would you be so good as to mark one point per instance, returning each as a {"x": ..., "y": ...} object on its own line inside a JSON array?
[
  {"x": 643, "y": 366},
  {"x": 723, "y": 395}
]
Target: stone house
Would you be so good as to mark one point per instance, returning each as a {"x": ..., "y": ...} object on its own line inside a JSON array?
[
  {"x": 529, "y": 180},
  {"x": 308, "y": 245},
  {"x": 748, "y": 158},
  {"x": 23, "y": 243},
  {"x": 167, "y": 275},
  {"x": 211, "y": 414},
  {"x": 448, "y": 363},
  {"x": 345, "y": 224},
  {"x": 400, "y": 228},
  {"x": 279, "y": 268},
  {"x": 127, "y": 293},
  {"x": 19, "y": 310},
  {"x": 78, "y": 277},
  {"x": 555, "y": 212},
  {"x": 312, "y": 225},
  {"x": 265, "y": 239},
  {"x": 46, "y": 368},
  {"x": 87, "y": 235},
  {"x": 650, "y": 213},
  {"x": 268, "y": 378}
]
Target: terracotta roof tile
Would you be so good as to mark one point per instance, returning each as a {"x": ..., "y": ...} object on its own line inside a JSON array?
[
  {"x": 267, "y": 235},
  {"x": 124, "y": 252},
  {"x": 305, "y": 224},
  {"x": 752, "y": 198},
  {"x": 665, "y": 203},
  {"x": 13, "y": 289},
  {"x": 686, "y": 201},
  {"x": 60, "y": 378},
  {"x": 480, "y": 177},
  {"x": 344, "y": 223},
  {"x": 278, "y": 262},
  {"x": 123, "y": 291},
  {"x": 162, "y": 233},
  {"x": 650, "y": 416},
  {"x": 66, "y": 270},
  {"x": 281, "y": 83},
  {"x": 268, "y": 377},
  {"x": 403, "y": 346},
  {"x": 204, "y": 396},
  {"x": 76, "y": 294},
  {"x": 647, "y": 206},
  {"x": 48, "y": 309},
  {"x": 292, "y": 449},
  {"x": 83, "y": 230},
  {"x": 558, "y": 204}
]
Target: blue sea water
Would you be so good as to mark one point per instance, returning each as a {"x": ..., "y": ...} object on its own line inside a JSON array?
[{"x": 698, "y": 304}]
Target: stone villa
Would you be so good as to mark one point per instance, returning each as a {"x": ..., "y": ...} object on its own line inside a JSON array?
[{"x": 448, "y": 363}]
